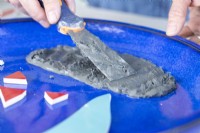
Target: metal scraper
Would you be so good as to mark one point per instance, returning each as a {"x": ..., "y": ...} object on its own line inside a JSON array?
[{"x": 105, "y": 59}]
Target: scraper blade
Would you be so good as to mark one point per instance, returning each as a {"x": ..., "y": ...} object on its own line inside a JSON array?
[{"x": 105, "y": 59}]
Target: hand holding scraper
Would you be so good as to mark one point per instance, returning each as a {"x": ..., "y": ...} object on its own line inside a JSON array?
[{"x": 106, "y": 60}]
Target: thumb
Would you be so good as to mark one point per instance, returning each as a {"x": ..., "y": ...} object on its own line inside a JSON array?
[
  {"x": 177, "y": 16},
  {"x": 72, "y": 5},
  {"x": 52, "y": 9}
]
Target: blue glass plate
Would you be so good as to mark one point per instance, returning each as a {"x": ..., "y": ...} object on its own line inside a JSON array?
[{"x": 175, "y": 55}]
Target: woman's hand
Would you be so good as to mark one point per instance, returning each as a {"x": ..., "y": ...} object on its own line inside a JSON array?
[
  {"x": 50, "y": 15},
  {"x": 177, "y": 17}
]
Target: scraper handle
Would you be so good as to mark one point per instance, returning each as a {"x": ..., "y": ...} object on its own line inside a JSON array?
[{"x": 68, "y": 21}]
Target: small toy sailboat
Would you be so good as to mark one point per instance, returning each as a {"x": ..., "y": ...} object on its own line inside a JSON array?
[
  {"x": 10, "y": 96},
  {"x": 55, "y": 97},
  {"x": 15, "y": 78}
]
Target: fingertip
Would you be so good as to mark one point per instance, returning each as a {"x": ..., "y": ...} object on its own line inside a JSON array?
[
  {"x": 44, "y": 23},
  {"x": 72, "y": 5},
  {"x": 34, "y": 9},
  {"x": 52, "y": 10},
  {"x": 177, "y": 16},
  {"x": 171, "y": 29},
  {"x": 72, "y": 8},
  {"x": 53, "y": 16}
]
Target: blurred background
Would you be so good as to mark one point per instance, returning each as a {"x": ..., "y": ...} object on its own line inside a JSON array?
[{"x": 149, "y": 13}]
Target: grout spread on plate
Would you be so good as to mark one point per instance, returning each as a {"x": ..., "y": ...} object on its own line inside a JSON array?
[{"x": 148, "y": 81}]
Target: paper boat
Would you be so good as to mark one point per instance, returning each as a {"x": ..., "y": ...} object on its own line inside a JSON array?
[
  {"x": 55, "y": 97},
  {"x": 15, "y": 78},
  {"x": 10, "y": 96}
]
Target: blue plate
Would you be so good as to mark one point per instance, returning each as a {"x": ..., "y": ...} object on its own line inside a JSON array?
[{"x": 175, "y": 55}]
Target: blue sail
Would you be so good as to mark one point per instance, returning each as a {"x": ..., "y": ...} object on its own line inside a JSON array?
[{"x": 93, "y": 117}]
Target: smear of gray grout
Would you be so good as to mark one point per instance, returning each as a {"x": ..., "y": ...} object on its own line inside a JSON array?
[{"x": 148, "y": 81}]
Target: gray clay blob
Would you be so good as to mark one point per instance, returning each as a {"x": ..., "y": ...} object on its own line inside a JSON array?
[{"x": 148, "y": 81}]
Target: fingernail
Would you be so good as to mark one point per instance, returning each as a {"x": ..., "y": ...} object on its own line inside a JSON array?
[
  {"x": 44, "y": 23},
  {"x": 171, "y": 29},
  {"x": 52, "y": 17}
]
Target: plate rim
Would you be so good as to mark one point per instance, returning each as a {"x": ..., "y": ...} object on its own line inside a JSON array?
[{"x": 180, "y": 39}]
